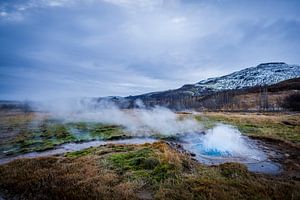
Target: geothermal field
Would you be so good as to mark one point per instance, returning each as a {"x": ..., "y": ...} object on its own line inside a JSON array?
[
  {"x": 102, "y": 152},
  {"x": 149, "y": 100}
]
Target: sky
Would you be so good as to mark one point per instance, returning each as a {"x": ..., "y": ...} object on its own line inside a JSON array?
[{"x": 91, "y": 48}]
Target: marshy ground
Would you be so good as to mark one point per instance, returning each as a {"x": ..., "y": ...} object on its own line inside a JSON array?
[{"x": 147, "y": 171}]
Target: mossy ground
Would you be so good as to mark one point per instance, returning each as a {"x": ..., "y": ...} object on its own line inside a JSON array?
[
  {"x": 150, "y": 171},
  {"x": 23, "y": 133}
]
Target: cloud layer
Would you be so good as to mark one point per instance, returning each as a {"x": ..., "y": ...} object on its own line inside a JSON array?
[{"x": 64, "y": 48}]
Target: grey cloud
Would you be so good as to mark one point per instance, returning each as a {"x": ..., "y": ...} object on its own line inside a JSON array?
[{"x": 122, "y": 47}]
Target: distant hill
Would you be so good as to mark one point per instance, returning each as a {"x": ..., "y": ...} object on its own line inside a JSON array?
[
  {"x": 261, "y": 79},
  {"x": 269, "y": 86},
  {"x": 263, "y": 74}
]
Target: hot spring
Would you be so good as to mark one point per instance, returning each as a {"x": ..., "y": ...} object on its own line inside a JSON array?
[{"x": 225, "y": 143}]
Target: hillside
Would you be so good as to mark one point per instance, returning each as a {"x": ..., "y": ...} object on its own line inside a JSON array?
[
  {"x": 276, "y": 80},
  {"x": 263, "y": 74}
]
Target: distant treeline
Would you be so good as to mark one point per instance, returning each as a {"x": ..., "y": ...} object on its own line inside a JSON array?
[
  {"x": 16, "y": 105},
  {"x": 281, "y": 96}
]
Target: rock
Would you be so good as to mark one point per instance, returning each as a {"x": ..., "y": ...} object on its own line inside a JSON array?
[{"x": 193, "y": 154}]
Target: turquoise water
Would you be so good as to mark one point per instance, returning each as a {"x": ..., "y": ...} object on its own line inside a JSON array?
[
  {"x": 210, "y": 152},
  {"x": 224, "y": 143}
]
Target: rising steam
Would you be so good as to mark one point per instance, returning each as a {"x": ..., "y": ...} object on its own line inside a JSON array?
[
  {"x": 223, "y": 143},
  {"x": 228, "y": 141},
  {"x": 139, "y": 121}
]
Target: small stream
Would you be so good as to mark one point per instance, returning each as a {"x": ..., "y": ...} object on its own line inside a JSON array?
[
  {"x": 223, "y": 143},
  {"x": 71, "y": 147}
]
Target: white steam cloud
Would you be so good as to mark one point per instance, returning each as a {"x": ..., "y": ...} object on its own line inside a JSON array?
[
  {"x": 138, "y": 122},
  {"x": 227, "y": 139}
]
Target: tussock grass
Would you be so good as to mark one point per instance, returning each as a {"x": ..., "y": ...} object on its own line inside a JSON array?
[
  {"x": 57, "y": 178},
  {"x": 150, "y": 171}
]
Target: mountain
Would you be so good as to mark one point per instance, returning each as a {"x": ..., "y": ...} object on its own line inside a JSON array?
[{"x": 261, "y": 75}]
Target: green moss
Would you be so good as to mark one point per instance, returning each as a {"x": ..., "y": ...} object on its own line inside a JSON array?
[
  {"x": 77, "y": 154},
  {"x": 50, "y": 133},
  {"x": 163, "y": 171},
  {"x": 205, "y": 121},
  {"x": 132, "y": 160},
  {"x": 56, "y": 131},
  {"x": 166, "y": 137},
  {"x": 43, "y": 137},
  {"x": 142, "y": 164},
  {"x": 30, "y": 135},
  {"x": 106, "y": 132},
  {"x": 88, "y": 130}
]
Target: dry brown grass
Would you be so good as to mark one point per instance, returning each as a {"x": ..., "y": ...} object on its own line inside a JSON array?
[
  {"x": 168, "y": 155},
  {"x": 282, "y": 126},
  {"x": 228, "y": 181},
  {"x": 61, "y": 178},
  {"x": 258, "y": 117},
  {"x": 93, "y": 176}
]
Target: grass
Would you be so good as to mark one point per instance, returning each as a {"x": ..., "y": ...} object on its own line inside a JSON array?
[
  {"x": 285, "y": 127},
  {"x": 107, "y": 132},
  {"x": 56, "y": 178},
  {"x": 150, "y": 171},
  {"x": 88, "y": 130},
  {"x": 23, "y": 133},
  {"x": 80, "y": 153},
  {"x": 28, "y": 139},
  {"x": 143, "y": 164}
]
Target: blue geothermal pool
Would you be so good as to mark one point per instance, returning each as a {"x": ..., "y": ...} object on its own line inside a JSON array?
[{"x": 225, "y": 143}]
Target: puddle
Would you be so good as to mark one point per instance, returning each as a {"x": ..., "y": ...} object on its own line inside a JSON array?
[{"x": 266, "y": 167}]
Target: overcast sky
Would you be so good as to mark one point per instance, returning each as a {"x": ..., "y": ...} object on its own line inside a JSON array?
[{"x": 72, "y": 48}]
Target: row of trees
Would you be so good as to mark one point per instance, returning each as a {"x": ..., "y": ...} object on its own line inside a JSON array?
[{"x": 256, "y": 99}]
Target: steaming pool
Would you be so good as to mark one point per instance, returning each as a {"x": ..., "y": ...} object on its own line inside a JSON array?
[{"x": 224, "y": 143}]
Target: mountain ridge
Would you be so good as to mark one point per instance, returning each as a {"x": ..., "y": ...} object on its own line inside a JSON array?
[{"x": 260, "y": 75}]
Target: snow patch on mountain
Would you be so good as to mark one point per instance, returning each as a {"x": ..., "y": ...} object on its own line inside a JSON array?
[{"x": 263, "y": 74}]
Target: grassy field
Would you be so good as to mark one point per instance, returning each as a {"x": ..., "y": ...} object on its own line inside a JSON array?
[
  {"x": 285, "y": 127},
  {"x": 150, "y": 171},
  {"x": 23, "y": 133}
]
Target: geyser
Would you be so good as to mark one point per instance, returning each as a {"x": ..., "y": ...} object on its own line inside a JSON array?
[
  {"x": 220, "y": 144},
  {"x": 224, "y": 143},
  {"x": 224, "y": 140}
]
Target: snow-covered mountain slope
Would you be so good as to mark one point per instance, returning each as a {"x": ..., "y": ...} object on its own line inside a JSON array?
[{"x": 263, "y": 74}]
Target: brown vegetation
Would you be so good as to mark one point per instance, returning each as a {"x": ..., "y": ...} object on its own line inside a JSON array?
[
  {"x": 137, "y": 172},
  {"x": 281, "y": 126},
  {"x": 258, "y": 98},
  {"x": 62, "y": 178}
]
